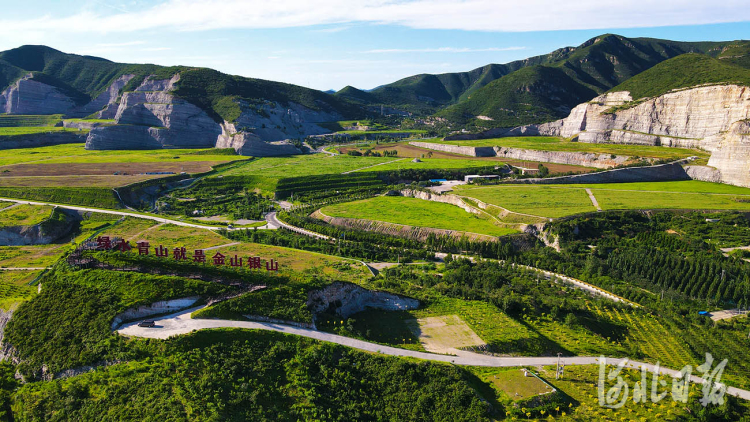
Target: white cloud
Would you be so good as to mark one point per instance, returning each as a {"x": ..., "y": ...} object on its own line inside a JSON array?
[
  {"x": 442, "y": 50},
  {"x": 156, "y": 49},
  {"x": 121, "y": 44},
  {"x": 481, "y": 15}
]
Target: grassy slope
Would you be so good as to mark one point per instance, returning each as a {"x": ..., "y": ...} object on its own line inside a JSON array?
[
  {"x": 24, "y": 215},
  {"x": 77, "y": 154},
  {"x": 546, "y": 143},
  {"x": 415, "y": 212},
  {"x": 681, "y": 72}
]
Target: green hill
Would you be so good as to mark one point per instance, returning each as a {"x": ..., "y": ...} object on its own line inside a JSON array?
[
  {"x": 559, "y": 81},
  {"x": 552, "y": 89},
  {"x": 82, "y": 78},
  {"x": 681, "y": 72}
]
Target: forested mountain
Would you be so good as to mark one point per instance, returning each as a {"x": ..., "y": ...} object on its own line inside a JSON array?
[{"x": 540, "y": 88}]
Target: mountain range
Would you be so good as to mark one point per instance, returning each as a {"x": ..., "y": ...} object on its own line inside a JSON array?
[{"x": 191, "y": 106}]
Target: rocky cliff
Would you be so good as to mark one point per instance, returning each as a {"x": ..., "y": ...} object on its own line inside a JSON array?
[
  {"x": 27, "y": 96},
  {"x": 713, "y": 118},
  {"x": 346, "y": 299},
  {"x": 60, "y": 224},
  {"x": 683, "y": 118},
  {"x": 153, "y": 117}
]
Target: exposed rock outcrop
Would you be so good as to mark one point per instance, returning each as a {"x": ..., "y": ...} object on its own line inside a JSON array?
[
  {"x": 250, "y": 144},
  {"x": 105, "y": 104},
  {"x": 28, "y": 96},
  {"x": 731, "y": 157},
  {"x": 682, "y": 118},
  {"x": 346, "y": 299},
  {"x": 43, "y": 233},
  {"x": 657, "y": 173},
  {"x": 152, "y": 117},
  {"x": 602, "y": 161},
  {"x": 156, "y": 308}
]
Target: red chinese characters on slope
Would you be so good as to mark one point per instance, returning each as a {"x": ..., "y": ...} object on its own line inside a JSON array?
[{"x": 180, "y": 254}]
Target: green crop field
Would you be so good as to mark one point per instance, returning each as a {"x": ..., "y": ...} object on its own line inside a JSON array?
[
  {"x": 561, "y": 200},
  {"x": 430, "y": 163},
  {"x": 416, "y": 212},
  {"x": 18, "y": 120},
  {"x": 24, "y": 215},
  {"x": 544, "y": 201},
  {"x": 547, "y": 143},
  {"x": 304, "y": 165},
  {"x": 33, "y": 130},
  {"x": 76, "y": 153}
]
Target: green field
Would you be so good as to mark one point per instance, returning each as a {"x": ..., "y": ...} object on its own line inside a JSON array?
[
  {"x": 20, "y": 120},
  {"x": 75, "y": 153},
  {"x": 561, "y": 200},
  {"x": 24, "y": 215},
  {"x": 304, "y": 165},
  {"x": 416, "y": 212},
  {"x": 430, "y": 163},
  {"x": 33, "y": 130},
  {"x": 544, "y": 201},
  {"x": 548, "y": 143}
]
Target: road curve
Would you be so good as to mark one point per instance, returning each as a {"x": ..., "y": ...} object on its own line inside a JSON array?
[
  {"x": 181, "y": 323},
  {"x": 124, "y": 214}
]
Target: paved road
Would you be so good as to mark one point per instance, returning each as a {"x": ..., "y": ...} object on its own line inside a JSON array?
[
  {"x": 181, "y": 323},
  {"x": 124, "y": 214}
]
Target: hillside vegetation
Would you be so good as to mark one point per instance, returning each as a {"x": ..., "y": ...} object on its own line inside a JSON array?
[{"x": 683, "y": 71}]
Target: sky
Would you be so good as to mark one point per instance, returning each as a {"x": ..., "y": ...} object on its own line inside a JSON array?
[{"x": 328, "y": 44}]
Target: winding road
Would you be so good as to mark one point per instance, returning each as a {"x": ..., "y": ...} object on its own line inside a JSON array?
[
  {"x": 130, "y": 214},
  {"x": 181, "y": 323}
]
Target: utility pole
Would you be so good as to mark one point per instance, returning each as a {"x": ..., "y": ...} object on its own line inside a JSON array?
[{"x": 557, "y": 370}]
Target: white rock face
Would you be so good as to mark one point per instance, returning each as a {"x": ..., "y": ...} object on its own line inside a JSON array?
[
  {"x": 28, "y": 96},
  {"x": 149, "y": 118},
  {"x": 272, "y": 121},
  {"x": 250, "y": 144},
  {"x": 732, "y": 155},
  {"x": 107, "y": 100},
  {"x": 347, "y": 299},
  {"x": 693, "y": 114}
]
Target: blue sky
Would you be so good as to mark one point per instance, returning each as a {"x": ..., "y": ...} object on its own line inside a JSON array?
[{"x": 328, "y": 44}]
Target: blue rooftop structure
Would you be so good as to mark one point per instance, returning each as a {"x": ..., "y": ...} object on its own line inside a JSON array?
[{"x": 438, "y": 180}]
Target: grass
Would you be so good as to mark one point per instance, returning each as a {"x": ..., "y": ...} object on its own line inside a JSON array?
[
  {"x": 416, "y": 212},
  {"x": 537, "y": 200},
  {"x": 75, "y": 153},
  {"x": 303, "y": 165},
  {"x": 431, "y": 163},
  {"x": 548, "y": 143},
  {"x": 512, "y": 382},
  {"x": 24, "y": 215},
  {"x": 14, "y": 288},
  {"x": 562, "y": 200},
  {"x": 683, "y": 71},
  {"x": 86, "y": 196},
  {"x": 34, "y": 130},
  {"x": 73, "y": 181},
  {"x": 290, "y": 260},
  {"x": 18, "y": 120}
]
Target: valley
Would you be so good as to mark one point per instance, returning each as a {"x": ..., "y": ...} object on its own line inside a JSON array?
[{"x": 178, "y": 243}]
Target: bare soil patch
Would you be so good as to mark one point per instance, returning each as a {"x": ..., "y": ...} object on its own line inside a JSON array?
[
  {"x": 73, "y": 169},
  {"x": 444, "y": 334}
]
